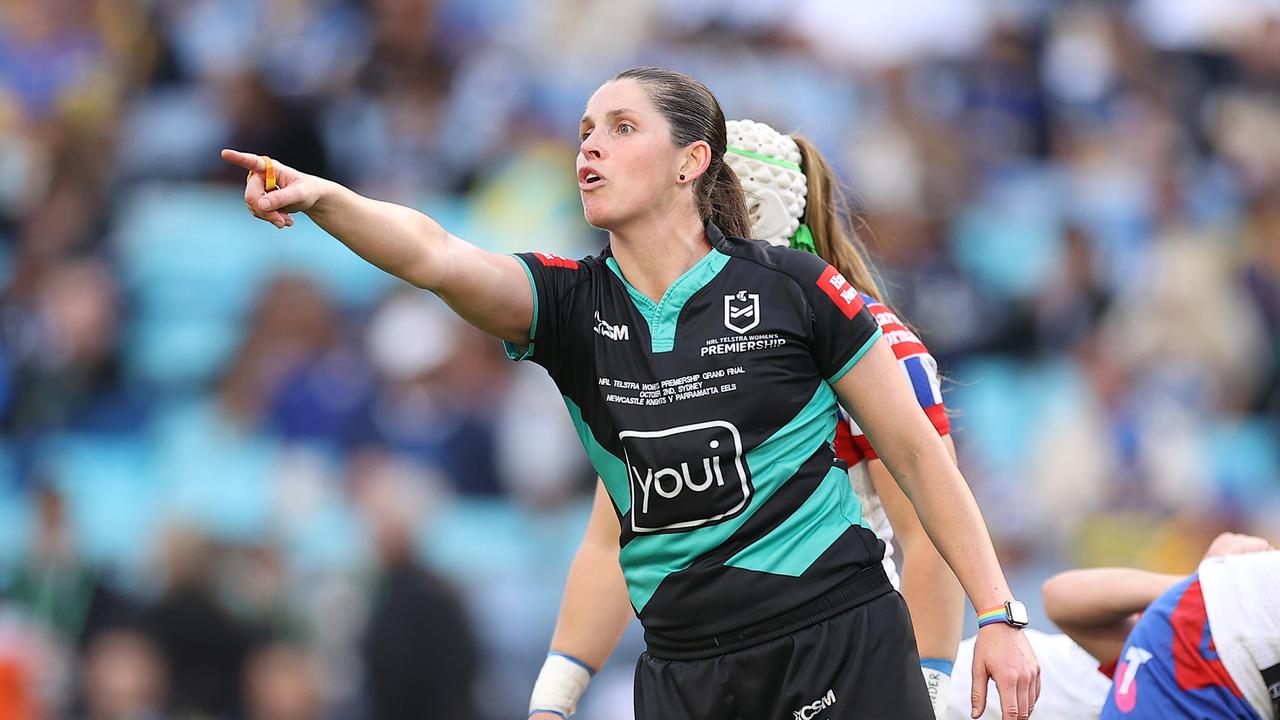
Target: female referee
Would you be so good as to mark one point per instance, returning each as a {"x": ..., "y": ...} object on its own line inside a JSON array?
[
  {"x": 702, "y": 372},
  {"x": 792, "y": 199}
]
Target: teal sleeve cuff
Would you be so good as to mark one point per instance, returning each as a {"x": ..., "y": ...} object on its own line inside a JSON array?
[
  {"x": 856, "y": 357},
  {"x": 524, "y": 352}
]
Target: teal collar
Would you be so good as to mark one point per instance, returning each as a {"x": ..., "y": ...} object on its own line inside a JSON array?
[{"x": 663, "y": 315}]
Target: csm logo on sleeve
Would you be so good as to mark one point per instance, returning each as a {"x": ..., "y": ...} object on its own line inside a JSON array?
[{"x": 685, "y": 477}]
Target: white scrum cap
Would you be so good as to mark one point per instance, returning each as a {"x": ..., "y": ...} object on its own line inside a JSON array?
[{"x": 767, "y": 164}]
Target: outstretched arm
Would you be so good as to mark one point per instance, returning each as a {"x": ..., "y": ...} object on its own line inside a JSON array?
[{"x": 486, "y": 289}]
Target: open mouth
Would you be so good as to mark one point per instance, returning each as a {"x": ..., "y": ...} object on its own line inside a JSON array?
[{"x": 589, "y": 179}]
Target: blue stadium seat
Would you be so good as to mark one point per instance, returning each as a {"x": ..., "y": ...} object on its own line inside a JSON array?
[
  {"x": 110, "y": 491},
  {"x": 215, "y": 475},
  {"x": 1245, "y": 458},
  {"x": 195, "y": 262}
]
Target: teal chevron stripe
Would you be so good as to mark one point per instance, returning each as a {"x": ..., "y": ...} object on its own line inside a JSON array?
[
  {"x": 793, "y": 546},
  {"x": 662, "y": 315},
  {"x": 648, "y": 559},
  {"x": 608, "y": 466}
]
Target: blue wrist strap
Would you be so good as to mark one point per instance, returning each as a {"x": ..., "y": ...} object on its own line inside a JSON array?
[
  {"x": 590, "y": 670},
  {"x": 942, "y": 666}
]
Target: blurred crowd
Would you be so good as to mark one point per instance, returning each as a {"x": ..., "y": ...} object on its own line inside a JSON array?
[{"x": 243, "y": 475}]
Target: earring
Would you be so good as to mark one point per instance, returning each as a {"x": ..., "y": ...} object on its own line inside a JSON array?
[{"x": 681, "y": 177}]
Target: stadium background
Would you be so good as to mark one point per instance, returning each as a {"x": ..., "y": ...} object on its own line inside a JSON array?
[{"x": 244, "y": 475}]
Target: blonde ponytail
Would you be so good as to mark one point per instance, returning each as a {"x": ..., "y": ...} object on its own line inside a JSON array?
[{"x": 827, "y": 214}]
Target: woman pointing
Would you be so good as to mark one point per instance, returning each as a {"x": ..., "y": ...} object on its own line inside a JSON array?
[{"x": 702, "y": 372}]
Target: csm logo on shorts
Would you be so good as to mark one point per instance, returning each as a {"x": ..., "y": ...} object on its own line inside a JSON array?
[
  {"x": 685, "y": 477},
  {"x": 810, "y": 711}
]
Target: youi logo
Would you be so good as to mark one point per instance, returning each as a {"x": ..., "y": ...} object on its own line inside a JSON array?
[{"x": 685, "y": 477}]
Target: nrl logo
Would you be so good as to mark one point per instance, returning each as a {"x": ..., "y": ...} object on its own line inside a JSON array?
[{"x": 742, "y": 311}]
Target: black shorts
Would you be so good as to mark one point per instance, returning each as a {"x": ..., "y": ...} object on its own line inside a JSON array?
[{"x": 860, "y": 664}]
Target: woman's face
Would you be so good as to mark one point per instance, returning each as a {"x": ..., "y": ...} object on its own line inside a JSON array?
[{"x": 627, "y": 164}]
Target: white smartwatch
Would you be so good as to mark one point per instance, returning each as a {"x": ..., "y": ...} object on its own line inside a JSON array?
[{"x": 1012, "y": 613}]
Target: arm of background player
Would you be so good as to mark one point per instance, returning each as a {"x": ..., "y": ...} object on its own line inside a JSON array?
[
  {"x": 488, "y": 290},
  {"x": 931, "y": 590},
  {"x": 1098, "y": 607},
  {"x": 596, "y": 608},
  {"x": 884, "y": 405}
]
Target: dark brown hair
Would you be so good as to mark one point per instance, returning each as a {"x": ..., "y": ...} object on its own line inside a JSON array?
[
  {"x": 827, "y": 214},
  {"x": 695, "y": 114}
]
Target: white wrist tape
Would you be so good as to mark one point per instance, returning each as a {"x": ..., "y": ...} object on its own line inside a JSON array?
[
  {"x": 939, "y": 685},
  {"x": 562, "y": 681}
]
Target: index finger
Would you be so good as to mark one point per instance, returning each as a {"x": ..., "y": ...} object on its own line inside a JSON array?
[{"x": 248, "y": 161}]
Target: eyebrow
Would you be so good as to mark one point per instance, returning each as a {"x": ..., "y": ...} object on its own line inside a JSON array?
[{"x": 609, "y": 115}]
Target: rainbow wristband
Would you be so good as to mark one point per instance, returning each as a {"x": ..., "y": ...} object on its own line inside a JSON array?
[{"x": 992, "y": 616}]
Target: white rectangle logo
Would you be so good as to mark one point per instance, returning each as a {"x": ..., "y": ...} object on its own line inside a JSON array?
[{"x": 668, "y": 494}]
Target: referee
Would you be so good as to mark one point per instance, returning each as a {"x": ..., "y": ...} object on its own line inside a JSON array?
[{"x": 702, "y": 372}]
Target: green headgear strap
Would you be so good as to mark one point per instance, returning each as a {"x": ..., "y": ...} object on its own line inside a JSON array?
[
  {"x": 769, "y": 159},
  {"x": 803, "y": 239}
]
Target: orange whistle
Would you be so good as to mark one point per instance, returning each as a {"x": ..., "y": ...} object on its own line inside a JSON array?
[{"x": 269, "y": 173}]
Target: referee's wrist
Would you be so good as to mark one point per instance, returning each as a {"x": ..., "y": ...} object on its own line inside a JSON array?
[
  {"x": 941, "y": 665},
  {"x": 559, "y": 686},
  {"x": 1011, "y": 613},
  {"x": 326, "y": 190}
]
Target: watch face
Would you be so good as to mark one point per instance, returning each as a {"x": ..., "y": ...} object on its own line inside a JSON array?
[{"x": 1017, "y": 613}]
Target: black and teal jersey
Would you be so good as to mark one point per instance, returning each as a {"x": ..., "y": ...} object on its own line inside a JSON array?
[{"x": 709, "y": 415}]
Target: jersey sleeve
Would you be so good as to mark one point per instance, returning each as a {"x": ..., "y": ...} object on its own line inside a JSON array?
[
  {"x": 916, "y": 362},
  {"x": 552, "y": 279},
  {"x": 843, "y": 328},
  {"x": 920, "y": 369}
]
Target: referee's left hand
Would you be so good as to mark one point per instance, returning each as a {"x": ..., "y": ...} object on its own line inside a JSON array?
[{"x": 1002, "y": 653}]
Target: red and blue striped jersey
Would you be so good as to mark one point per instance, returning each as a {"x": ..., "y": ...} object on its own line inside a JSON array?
[{"x": 851, "y": 444}]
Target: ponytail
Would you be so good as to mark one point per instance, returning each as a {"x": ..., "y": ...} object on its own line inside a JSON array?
[
  {"x": 827, "y": 213},
  {"x": 721, "y": 200},
  {"x": 695, "y": 115}
]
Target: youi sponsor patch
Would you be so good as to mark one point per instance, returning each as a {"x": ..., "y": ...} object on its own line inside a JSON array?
[{"x": 685, "y": 477}]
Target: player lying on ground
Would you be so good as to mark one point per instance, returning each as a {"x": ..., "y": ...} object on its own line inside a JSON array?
[{"x": 1200, "y": 646}]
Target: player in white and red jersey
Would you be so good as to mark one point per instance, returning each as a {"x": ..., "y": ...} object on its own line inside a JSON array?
[
  {"x": 768, "y": 164},
  {"x": 852, "y": 445},
  {"x": 1205, "y": 645},
  {"x": 932, "y": 592}
]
